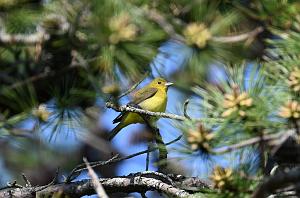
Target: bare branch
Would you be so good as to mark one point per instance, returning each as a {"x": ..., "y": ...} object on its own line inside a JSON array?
[
  {"x": 82, "y": 167},
  {"x": 97, "y": 185},
  {"x": 127, "y": 108},
  {"x": 27, "y": 182},
  {"x": 185, "y": 105},
  {"x": 155, "y": 16},
  {"x": 132, "y": 183},
  {"x": 134, "y": 86},
  {"x": 272, "y": 139},
  {"x": 238, "y": 38},
  {"x": 79, "y": 168},
  {"x": 158, "y": 18},
  {"x": 38, "y": 37},
  {"x": 277, "y": 181},
  {"x": 25, "y": 39}
]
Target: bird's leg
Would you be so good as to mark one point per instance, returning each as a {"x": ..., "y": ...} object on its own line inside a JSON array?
[
  {"x": 148, "y": 156},
  {"x": 146, "y": 119},
  {"x": 163, "y": 153}
]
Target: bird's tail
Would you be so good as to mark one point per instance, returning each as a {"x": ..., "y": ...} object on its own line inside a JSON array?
[{"x": 115, "y": 131}]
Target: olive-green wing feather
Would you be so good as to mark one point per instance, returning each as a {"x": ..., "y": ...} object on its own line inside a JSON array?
[
  {"x": 139, "y": 96},
  {"x": 143, "y": 94}
]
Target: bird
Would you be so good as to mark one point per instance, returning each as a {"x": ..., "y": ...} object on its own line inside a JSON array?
[{"x": 152, "y": 97}]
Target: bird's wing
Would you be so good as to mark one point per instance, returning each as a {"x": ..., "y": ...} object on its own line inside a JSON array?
[
  {"x": 140, "y": 96},
  {"x": 143, "y": 94}
]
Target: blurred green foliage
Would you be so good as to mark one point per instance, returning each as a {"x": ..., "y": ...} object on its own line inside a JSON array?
[{"x": 88, "y": 46}]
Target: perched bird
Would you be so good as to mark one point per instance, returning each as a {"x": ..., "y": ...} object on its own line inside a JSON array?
[{"x": 152, "y": 97}]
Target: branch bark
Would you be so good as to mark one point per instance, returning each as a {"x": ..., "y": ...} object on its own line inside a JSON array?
[
  {"x": 127, "y": 184},
  {"x": 97, "y": 185},
  {"x": 25, "y": 39},
  {"x": 276, "y": 182},
  {"x": 79, "y": 168},
  {"x": 238, "y": 38},
  {"x": 159, "y": 18},
  {"x": 272, "y": 140},
  {"x": 128, "y": 108}
]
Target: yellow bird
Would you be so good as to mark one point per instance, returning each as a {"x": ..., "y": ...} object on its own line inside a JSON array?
[{"x": 152, "y": 97}]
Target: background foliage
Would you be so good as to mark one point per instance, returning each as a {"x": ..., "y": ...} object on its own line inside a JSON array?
[{"x": 237, "y": 62}]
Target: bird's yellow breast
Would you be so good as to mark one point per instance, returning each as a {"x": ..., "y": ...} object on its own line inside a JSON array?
[{"x": 156, "y": 103}]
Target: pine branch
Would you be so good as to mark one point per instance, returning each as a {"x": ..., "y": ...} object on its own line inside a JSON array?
[
  {"x": 276, "y": 182},
  {"x": 137, "y": 182},
  {"x": 81, "y": 167},
  {"x": 127, "y": 108},
  {"x": 158, "y": 18},
  {"x": 272, "y": 140},
  {"x": 40, "y": 36},
  {"x": 238, "y": 38},
  {"x": 24, "y": 39},
  {"x": 97, "y": 185}
]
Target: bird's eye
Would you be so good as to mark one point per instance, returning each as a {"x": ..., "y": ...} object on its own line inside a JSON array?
[{"x": 159, "y": 82}]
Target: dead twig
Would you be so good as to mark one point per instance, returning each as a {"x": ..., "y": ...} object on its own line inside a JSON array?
[
  {"x": 134, "y": 86},
  {"x": 81, "y": 167},
  {"x": 272, "y": 139},
  {"x": 97, "y": 185},
  {"x": 238, "y": 38},
  {"x": 277, "y": 181}
]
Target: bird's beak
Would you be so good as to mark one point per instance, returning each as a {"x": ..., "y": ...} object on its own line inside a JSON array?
[{"x": 169, "y": 84}]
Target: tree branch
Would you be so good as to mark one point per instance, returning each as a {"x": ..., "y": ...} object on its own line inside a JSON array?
[
  {"x": 24, "y": 39},
  {"x": 97, "y": 185},
  {"x": 158, "y": 18},
  {"x": 273, "y": 140},
  {"x": 79, "y": 168},
  {"x": 134, "y": 86},
  {"x": 277, "y": 181},
  {"x": 238, "y": 38},
  {"x": 155, "y": 16},
  {"x": 127, "y": 108},
  {"x": 127, "y": 184}
]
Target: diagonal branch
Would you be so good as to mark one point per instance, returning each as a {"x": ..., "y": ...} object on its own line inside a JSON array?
[
  {"x": 276, "y": 182},
  {"x": 97, "y": 185},
  {"x": 238, "y": 38},
  {"x": 160, "y": 19},
  {"x": 81, "y": 167},
  {"x": 272, "y": 140}
]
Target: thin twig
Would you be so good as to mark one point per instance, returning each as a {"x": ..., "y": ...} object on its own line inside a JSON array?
[
  {"x": 264, "y": 138},
  {"x": 277, "y": 181},
  {"x": 79, "y": 168},
  {"x": 134, "y": 86},
  {"x": 26, "y": 39},
  {"x": 148, "y": 157},
  {"x": 185, "y": 105},
  {"x": 162, "y": 150},
  {"x": 238, "y": 38},
  {"x": 27, "y": 182},
  {"x": 158, "y": 18},
  {"x": 97, "y": 185}
]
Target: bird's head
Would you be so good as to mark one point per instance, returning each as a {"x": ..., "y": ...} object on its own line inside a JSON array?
[{"x": 160, "y": 83}]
